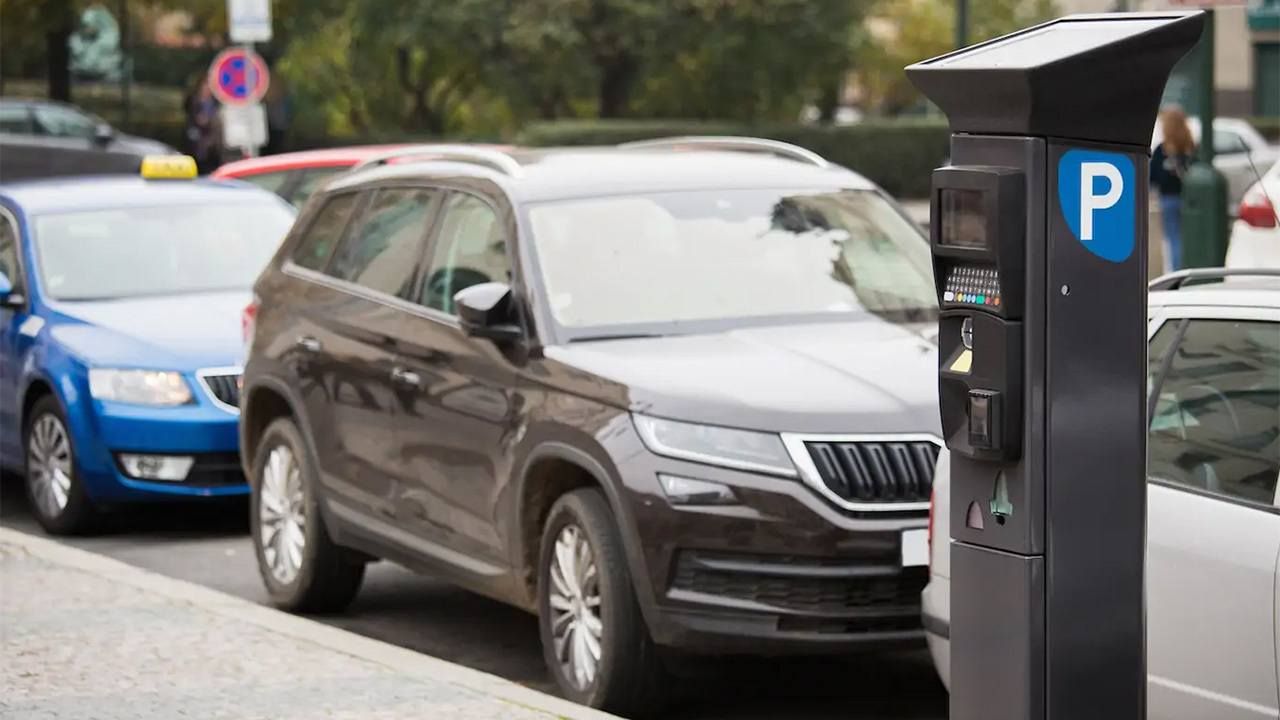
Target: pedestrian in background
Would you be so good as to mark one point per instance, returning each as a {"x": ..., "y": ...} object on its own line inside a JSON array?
[{"x": 1169, "y": 165}]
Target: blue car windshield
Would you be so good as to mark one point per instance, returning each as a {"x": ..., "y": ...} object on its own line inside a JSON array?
[{"x": 134, "y": 251}]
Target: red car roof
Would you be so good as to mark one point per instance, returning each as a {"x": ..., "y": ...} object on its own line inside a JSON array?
[{"x": 329, "y": 157}]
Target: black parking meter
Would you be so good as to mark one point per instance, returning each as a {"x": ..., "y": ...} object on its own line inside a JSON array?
[{"x": 1040, "y": 260}]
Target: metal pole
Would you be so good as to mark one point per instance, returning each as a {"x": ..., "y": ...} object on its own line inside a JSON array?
[
  {"x": 126, "y": 64},
  {"x": 1206, "y": 88},
  {"x": 1204, "y": 189},
  {"x": 249, "y": 150},
  {"x": 962, "y": 23}
]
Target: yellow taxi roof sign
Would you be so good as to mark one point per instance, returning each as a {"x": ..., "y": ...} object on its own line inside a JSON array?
[{"x": 168, "y": 167}]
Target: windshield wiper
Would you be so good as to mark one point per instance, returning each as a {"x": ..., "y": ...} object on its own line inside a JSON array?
[{"x": 619, "y": 336}]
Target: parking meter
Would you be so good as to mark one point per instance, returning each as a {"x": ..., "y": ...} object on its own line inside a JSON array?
[{"x": 1038, "y": 231}]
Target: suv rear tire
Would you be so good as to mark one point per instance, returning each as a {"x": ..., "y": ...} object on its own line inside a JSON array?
[
  {"x": 54, "y": 487},
  {"x": 586, "y": 605},
  {"x": 302, "y": 568}
]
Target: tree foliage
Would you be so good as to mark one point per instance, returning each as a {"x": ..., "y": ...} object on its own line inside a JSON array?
[
  {"x": 485, "y": 67},
  {"x": 901, "y": 32},
  {"x": 431, "y": 66}
]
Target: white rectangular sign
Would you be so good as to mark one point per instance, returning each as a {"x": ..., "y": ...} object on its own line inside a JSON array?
[
  {"x": 915, "y": 547},
  {"x": 249, "y": 21},
  {"x": 244, "y": 126}
]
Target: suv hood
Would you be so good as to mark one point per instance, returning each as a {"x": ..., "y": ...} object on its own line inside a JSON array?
[
  {"x": 864, "y": 376},
  {"x": 173, "y": 332}
]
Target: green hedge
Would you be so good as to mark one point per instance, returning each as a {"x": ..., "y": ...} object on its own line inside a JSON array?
[{"x": 897, "y": 155}]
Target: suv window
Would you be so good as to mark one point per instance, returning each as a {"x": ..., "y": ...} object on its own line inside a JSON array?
[
  {"x": 9, "y": 264},
  {"x": 311, "y": 181},
  {"x": 470, "y": 249},
  {"x": 382, "y": 252},
  {"x": 323, "y": 233},
  {"x": 1216, "y": 426},
  {"x": 61, "y": 122}
]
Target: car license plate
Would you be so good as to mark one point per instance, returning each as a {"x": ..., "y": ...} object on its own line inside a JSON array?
[{"x": 915, "y": 547}]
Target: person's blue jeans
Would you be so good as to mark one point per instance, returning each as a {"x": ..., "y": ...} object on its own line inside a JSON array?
[{"x": 1171, "y": 222}]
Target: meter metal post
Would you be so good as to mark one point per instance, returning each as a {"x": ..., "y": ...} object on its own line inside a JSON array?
[{"x": 1038, "y": 230}]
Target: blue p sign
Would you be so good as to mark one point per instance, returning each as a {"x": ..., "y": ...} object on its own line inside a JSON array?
[{"x": 1096, "y": 191}]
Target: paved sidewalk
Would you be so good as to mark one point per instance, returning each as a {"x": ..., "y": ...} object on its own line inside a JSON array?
[{"x": 84, "y": 637}]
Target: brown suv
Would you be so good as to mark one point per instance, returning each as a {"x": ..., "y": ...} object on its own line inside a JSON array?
[{"x": 671, "y": 396}]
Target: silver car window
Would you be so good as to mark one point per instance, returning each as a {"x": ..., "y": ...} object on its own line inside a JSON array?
[{"x": 1216, "y": 420}]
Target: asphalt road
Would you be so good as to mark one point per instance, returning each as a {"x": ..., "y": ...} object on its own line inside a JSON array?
[{"x": 209, "y": 545}]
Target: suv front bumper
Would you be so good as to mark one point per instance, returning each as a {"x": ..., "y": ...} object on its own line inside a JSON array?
[{"x": 781, "y": 571}]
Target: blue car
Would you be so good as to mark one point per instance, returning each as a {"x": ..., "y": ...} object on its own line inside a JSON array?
[{"x": 120, "y": 337}]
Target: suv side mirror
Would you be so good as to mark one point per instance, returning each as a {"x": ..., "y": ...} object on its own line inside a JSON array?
[
  {"x": 485, "y": 311},
  {"x": 103, "y": 133}
]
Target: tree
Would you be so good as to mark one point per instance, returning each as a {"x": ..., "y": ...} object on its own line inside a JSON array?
[
  {"x": 52, "y": 21},
  {"x": 751, "y": 60},
  {"x": 901, "y": 32}
]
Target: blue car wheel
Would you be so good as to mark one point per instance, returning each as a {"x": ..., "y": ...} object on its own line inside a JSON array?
[{"x": 54, "y": 488}]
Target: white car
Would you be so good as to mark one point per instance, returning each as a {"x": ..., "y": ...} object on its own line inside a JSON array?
[
  {"x": 1241, "y": 154},
  {"x": 1255, "y": 237},
  {"x": 1213, "y": 509}
]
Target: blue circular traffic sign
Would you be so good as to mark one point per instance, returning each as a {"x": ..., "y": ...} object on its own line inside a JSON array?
[{"x": 238, "y": 76}]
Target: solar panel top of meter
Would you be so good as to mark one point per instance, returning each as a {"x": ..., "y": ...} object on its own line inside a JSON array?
[
  {"x": 1044, "y": 81},
  {"x": 1048, "y": 43}
]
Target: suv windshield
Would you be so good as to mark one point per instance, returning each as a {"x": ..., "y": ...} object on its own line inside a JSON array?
[
  {"x": 652, "y": 262},
  {"x": 126, "y": 252}
]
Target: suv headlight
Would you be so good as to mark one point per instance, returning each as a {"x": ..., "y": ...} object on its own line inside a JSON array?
[
  {"x": 139, "y": 387},
  {"x": 739, "y": 449}
]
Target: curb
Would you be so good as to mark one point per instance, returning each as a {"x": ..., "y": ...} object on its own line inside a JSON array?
[{"x": 405, "y": 662}]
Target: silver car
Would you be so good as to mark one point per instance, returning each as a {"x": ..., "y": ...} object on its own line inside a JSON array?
[{"x": 1213, "y": 525}]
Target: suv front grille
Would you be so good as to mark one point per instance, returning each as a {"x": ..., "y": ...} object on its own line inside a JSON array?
[
  {"x": 222, "y": 387},
  {"x": 876, "y": 472},
  {"x": 806, "y": 586}
]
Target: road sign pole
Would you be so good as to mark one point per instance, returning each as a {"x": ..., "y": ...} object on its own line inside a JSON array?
[{"x": 249, "y": 150}]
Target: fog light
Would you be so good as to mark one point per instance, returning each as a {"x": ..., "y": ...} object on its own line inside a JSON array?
[
  {"x": 172, "y": 468},
  {"x": 687, "y": 491}
]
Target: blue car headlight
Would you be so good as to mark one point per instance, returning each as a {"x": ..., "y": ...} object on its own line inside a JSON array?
[
  {"x": 726, "y": 447},
  {"x": 139, "y": 387}
]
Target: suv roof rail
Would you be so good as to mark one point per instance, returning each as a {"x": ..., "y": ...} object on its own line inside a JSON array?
[
  {"x": 776, "y": 148},
  {"x": 1176, "y": 280},
  {"x": 488, "y": 157}
]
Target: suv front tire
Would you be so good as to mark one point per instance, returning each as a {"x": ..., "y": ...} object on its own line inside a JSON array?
[
  {"x": 303, "y": 569},
  {"x": 594, "y": 639}
]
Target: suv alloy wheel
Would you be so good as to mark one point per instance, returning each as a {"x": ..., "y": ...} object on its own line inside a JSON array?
[
  {"x": 594, "y": 638},
  {"x": 301, "y": 567}
]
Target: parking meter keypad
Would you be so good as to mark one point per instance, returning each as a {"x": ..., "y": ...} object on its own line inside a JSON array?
[{"x": 973, "y": 285}]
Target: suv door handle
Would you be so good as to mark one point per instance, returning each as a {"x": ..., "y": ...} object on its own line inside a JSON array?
[
  {"x": 308, "y": 344},
  {"x": 406, "y": 377}
]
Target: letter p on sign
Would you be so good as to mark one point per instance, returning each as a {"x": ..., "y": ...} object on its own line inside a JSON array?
[
  {"x": 1096, "y": 194},
  {"x": 1091, "y": 203}
]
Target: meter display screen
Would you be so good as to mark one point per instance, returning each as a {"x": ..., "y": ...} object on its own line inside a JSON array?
[{"x": 963, "y": 220}]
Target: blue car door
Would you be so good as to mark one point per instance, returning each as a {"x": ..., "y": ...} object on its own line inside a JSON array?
[{"x": 14, "y": 322}]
